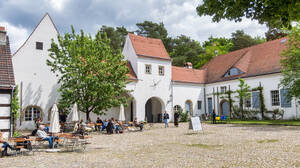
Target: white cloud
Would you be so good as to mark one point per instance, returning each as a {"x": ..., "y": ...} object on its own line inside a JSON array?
[
  {"x": 57, "y": 5},
  {"x": 17, "y": 35}
]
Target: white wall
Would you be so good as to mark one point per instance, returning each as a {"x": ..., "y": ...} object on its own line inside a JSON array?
[
  {"x": 129, "y": 53},
  {"x": 39, "y": 83},
  {"x": 268, "y": 82},
  {"x": 188, "y": 91},
  {"x": 145, "y": 88}
]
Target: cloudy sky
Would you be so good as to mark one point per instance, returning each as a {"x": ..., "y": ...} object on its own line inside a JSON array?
[{"x": 179, "y": 16}]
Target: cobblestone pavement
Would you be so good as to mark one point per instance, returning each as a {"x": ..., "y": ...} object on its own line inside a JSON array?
[{"x": 221, "y": 145}]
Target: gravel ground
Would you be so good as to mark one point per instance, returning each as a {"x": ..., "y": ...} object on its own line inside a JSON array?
[{"x": 221, "y": 145}]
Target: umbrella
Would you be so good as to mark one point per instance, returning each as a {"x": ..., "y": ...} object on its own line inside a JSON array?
[
  {"x": 75, "y": 116},
  {"x": 122, "y": 114},
  {"x": 54, "y": 122}
]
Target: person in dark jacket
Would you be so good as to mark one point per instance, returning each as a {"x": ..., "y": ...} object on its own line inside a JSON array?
[
  {"x": 176, "y": 118},
  {"x": 166, "y": 117},
  {"x": 110, "y": 127},
  {"x": 98, "y": 121},
  {"x": 214, "y": 116}
]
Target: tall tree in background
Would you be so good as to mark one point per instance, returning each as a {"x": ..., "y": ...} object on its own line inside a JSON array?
[
  {"x": 186, "y": 50},
  {"x": 241, "y": 40},
  {"x": 116, "y": 35},
  {"x": 90, "y": 72},
  {"x": 274, "y": 13},
  {"x": 291, "y": 63},
  {"x": 213, "y": 47},
  {"x": 274, "y": 33}
]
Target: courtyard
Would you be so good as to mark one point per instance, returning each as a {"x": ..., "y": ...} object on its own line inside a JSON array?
[{"x": 220, "y": 145}]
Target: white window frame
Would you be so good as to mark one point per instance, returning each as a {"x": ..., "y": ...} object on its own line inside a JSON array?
[
  {"x": 223, "y": 89},
  {"x": 148, "y": 70},
  {"x": 32, "y": 115},
  {"x": 161, "y": 70},
  {"x": 273, "y": 99}
]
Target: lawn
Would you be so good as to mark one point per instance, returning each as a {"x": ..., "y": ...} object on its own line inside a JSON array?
[{"x": 262, "y": 122}]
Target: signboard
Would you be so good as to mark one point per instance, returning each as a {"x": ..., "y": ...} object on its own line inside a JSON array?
[{"x": 195, "y": 124}]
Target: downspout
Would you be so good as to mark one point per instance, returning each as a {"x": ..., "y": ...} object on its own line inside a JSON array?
[
  {"x": 218, "y": 106},
  {"x": 204, "y": 91},
  {"x": 214, "y": 99},
  {"x": 172, "y": 103}
]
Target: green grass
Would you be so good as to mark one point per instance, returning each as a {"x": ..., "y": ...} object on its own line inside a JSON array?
[
  {"x": 267, "y": 141},
  {"x": 262, "y": 122},
  {"x": 204, "y": 146}
]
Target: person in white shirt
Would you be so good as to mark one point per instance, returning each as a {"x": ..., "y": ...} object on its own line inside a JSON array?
[{"x": 42, "y": 134}]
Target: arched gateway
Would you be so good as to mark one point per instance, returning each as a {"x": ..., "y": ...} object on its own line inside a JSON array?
[{"x": 153, "y": 110}]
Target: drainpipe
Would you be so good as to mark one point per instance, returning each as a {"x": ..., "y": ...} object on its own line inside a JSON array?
[
  {"x": 204, "y": 91},
  {"x": 172, "y": 102},
  {"x": 214, "y": 99},
  {"x": 218, "y": 105}
]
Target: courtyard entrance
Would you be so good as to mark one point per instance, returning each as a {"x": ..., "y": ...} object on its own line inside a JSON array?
[{"x": 154, "y": 109}]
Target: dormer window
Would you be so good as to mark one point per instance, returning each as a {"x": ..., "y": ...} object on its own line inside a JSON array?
[
  {"x": 161, "y": 70},
  {"x": 39, "y": 45},
  {"x": 148, "y": 69},
  {"x": 233, "y": 72}
]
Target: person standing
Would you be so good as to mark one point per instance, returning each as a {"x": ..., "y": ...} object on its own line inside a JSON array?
[
  {"x": 214, "y": 116},
  {"x": 176, "y": 118},
  {"x": 166, "y": 117}
]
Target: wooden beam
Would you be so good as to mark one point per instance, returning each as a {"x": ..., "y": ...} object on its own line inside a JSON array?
[
  {"x": 4, "y": 130},
  {"x": 4, "y": 117},
  {"x": 4, "y": 105}
]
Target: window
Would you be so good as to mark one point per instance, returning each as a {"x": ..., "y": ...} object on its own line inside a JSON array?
[
  {"x": 284, "y": 100},
  {"x": 233, "y": 72},
  {"x": 199, "y": 103},
  {"x": 223, "y": 89},
  {"x": 255, "y": 100},
  {"x": 148, "y": 69},
  {"x": 39, "y": 45},
  {"x": 161, "y": 70},
  {"x": 31, "y": 113},
  {"x": 248, "y": 102},
  {"x": 177, "y": 108},
  {"x": 275, "y": 97}
]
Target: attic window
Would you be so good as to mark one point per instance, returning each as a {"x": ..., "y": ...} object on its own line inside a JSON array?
[
  {"x": 39, "y": 45},
  {"x": 233, "y": 72}
]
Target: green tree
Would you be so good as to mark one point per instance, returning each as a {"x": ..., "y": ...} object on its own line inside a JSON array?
[
  {"x": 116, "y": 35},
  {"x": 241, "y": 40},
  {"x": 15, "y": 107},
  {"x": 213, "y": 47},
  {"x": 90, "y": 72},
  {"x": 243, "y": 94},
  {"x": 290, "y": 61},
  {"x": 274, "y": 13},
  {"x": 186, "y": 50}
]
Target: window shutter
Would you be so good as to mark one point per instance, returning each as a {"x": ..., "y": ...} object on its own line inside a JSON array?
[
  {"x": 284, "y": 101},
  {"x": 255, "y": 100}
]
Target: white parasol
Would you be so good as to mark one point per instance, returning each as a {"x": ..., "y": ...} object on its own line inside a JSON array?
[
  {"x": 122, "y": 113},
  {"x": 54, "y": 122}
]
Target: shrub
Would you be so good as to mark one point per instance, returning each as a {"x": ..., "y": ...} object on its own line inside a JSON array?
[
  {"x": 276, "y": 114},
  {"x": 183, "y": 117}
]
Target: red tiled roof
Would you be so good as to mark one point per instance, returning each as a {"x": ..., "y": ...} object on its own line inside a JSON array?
[
  {"x": 186, "y": 75},
  {"x": 149, "y": 47},
  {"x": 6, "y": 68},
  {"x": 131, "y": 75},
  {"x": 255, "y": 60}
]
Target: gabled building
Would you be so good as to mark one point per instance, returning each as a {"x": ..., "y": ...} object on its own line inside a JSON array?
[
  {"x": 154, "y": 84},
  {"x": 7, "y": 84}
]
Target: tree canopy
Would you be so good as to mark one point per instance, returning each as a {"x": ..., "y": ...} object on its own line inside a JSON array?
[
  {"x": 241, "y": 40},
  {"x": 291, "y": 63},
  {"x": 274, "y": 13},
  {"x": 90, "y": 72}
]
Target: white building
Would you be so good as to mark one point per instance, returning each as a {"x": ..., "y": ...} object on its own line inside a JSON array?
[{"x": 155, "y": 84}]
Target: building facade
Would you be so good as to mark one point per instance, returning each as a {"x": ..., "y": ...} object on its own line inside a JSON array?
[
  {"x": 154, "y": 84},
  {"x": 7, "y": 85}
]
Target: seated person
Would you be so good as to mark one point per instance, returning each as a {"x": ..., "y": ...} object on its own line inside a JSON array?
[
  {"x": 136, "y": 124},
  {"x": 98, "y": 121},
  {"x": 42, "y": 134},
  {"x": 5, "y": 146},
  {"x": 104, "y": 125},
  {"x": 110, "y": 127}
]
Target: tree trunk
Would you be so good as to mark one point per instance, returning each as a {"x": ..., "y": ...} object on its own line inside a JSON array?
[{"x": 87, "y": 115}]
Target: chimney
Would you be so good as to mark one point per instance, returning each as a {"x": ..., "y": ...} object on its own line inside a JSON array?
[
  {"x": 188, "y": 65},
  {"x": 2, "y": 36}
]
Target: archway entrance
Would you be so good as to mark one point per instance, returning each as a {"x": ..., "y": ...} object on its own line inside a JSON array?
[
  {"x": 224, "y": 107},
  {"x": 154, "y": 108}
]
